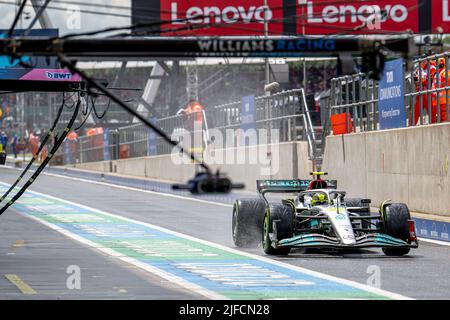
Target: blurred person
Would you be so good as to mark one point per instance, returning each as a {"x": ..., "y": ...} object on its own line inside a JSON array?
[
  {"x": 72, "y": 140},
  {"x": 3, "y": 140},
  {"x": 425, "y": 79},
  {"x": 13, "y": 143},
  {"x": 444, "y": 80},
  {"x": 33, "y": 141},
  {"x": 193, "y": 123},
  {"x": 193, "y": 111}
]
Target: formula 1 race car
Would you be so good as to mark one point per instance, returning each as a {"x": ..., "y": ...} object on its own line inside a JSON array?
[{"x": 319, "y": 216}]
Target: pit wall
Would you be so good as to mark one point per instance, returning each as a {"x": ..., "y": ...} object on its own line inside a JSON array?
[
  {"x": 292, "y": 158},
  {"x": 409, "y": 165}
]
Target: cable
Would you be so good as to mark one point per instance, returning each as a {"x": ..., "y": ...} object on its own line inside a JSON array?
[
  {"x": 93, "y": 83},
  {"x": 35, "y": 156},
  {"x": 45, "y": 162},
  {"x": 86, "y": 116},
  {"x": 104, "y": 111}
]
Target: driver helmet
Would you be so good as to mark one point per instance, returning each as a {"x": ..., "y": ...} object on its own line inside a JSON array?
[{"x": 318, "y": 198}]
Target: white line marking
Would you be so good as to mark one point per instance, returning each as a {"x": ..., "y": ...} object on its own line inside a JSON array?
[
  {"x": 158, "y": 272},
  {"x": 140, "y": 190},
  {"x": 442, "y": 243},
  {"x": 192, "y": 286}
]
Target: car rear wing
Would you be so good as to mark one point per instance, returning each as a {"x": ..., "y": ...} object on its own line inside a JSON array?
[{"x": 294, "y": 185}]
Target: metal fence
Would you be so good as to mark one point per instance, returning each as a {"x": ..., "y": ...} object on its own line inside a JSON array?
[
  {"x": 283, "y": 111},
  {"x": 427, "y": 95},
  {"x": 287, "y": 112}
]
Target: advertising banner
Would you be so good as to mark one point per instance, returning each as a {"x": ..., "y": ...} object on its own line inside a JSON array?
[
  {"x": 322, "y": 17},
  {"x": 43, "y": 68},
  {"x": 227, "y": 18},
  {"x": 440, "y": 21},
  {"x": 291, "y": 17},
  {"x": 391, "y": 104}
]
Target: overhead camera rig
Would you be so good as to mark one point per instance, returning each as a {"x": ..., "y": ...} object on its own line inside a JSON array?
[{"x": 372, "y": 48}]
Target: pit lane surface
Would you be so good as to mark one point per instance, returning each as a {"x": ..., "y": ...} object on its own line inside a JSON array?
[{"x": 424, "y": 274}]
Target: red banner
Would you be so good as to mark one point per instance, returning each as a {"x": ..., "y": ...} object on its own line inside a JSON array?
[
  {"x": 220, "y": 18},
  {"x": 287, "y": 17},
  {"x": 353, "y": 17},
  {"x": 440, "y": 21}
]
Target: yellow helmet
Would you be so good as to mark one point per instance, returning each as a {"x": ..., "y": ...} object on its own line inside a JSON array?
[{"x": 318, "y": 198}]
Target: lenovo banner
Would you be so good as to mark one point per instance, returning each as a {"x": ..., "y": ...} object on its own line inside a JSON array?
[
  {"x": 440, "y": 21},
  {"x": 358, "y": 17},
  {"x": 208, "y": 18},
  {"x": 291, "y": 17}
]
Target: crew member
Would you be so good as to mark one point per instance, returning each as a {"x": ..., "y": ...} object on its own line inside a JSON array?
[
  {"x": 194, "y": 124},
  {"x": 193, "y": 111},
  {"x": 425, "y": 78},
  {"x": 444, "y": 80}
]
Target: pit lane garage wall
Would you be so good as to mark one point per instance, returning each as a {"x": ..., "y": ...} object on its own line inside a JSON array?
[
  {"x": 408, "y": 165},
  {"x": 287, "y": 160}
]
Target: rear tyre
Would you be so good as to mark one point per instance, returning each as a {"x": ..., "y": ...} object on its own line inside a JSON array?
[
  {"x": 357, "y": 202},
  {"x": 396, "y": 225},
  {"x": 284, "y": 217},
  {"x": 247, "y": 222}
]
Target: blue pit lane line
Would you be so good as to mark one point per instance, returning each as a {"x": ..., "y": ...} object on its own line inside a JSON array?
[{"x": 209, "y": 269}]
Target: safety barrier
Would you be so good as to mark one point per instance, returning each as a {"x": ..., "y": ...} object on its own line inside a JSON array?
[{"x": 286, "y": 112}]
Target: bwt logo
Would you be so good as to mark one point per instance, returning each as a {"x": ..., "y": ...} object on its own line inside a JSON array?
[{"x": 58, "y": 75}]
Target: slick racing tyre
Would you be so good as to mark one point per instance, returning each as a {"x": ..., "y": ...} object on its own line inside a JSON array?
[
  {"x": 396, "y": 225},
  {"x": 247, "y": 223},
  {"x": 283, "y": 215},
  {"x": 357, "y": 202}
]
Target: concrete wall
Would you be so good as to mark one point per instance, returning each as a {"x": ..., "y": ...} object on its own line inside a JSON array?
[
  {"x": 409, "y": 165},
  {"x": 243, "y": 164}
]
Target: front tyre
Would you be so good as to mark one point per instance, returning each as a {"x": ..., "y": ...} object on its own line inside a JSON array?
[
  {"x": 396, "y": 216},
  {"x": 284, "y": 217},
  {"x": 247, "y": 222}
]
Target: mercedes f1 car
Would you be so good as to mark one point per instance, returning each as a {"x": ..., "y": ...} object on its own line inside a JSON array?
[{"x": 319, "y": 216}]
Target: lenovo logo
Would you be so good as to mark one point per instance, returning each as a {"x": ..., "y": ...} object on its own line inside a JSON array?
[
  {"x": 446, "y": 10},
  {"x": 217, "y": 15},
  {"x": 348, "y": 13}
]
